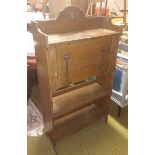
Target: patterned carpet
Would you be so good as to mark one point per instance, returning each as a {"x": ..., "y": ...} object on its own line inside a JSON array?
[
  {"x": 96, "y": 139},
  {"x": 34, "y": 120}
]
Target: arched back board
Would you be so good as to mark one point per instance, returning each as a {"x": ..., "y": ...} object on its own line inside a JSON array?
[{"x": 70, "y": 19}]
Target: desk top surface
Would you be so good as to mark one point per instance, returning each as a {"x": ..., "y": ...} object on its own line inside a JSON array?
[
  {"x": 78, "y": 35},
  {"x": 66, "y": 37}
]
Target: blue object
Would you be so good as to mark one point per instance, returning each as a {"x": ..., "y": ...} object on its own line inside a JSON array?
[{"x": 117, "y": 80}]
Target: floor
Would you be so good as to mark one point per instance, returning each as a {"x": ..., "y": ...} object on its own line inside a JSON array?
[{"x": 97, "y": 139}]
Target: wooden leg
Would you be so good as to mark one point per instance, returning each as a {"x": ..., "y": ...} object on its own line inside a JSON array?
[
  {"x": 119, "y": 111},
  {"x": 106, "y": 118},
  {"x": 54, "y": 146},
  {"x": 50, "y": 135},
  {"x": 104, "y": 105}
]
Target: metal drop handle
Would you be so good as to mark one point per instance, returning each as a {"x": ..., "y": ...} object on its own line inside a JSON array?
[
  {"x": 104, "y": 51},
  {"x": 66, "y": 57}
]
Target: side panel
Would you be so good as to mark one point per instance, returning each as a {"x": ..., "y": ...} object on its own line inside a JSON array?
[
  {"x": 43, "y": 79},
  {"x": 52, "y": 68},
  {"x": 106, "y": 78}
]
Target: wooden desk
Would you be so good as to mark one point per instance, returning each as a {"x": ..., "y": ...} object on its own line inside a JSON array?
[{"x": 71, "y": 49}]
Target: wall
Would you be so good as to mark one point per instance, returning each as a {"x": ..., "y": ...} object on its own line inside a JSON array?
[{"x": 56, "y": 5}]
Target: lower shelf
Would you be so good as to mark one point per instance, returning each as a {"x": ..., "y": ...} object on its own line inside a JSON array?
[
  {"x": 74, "y": 122},
  {"x": 72, "y": 101}
]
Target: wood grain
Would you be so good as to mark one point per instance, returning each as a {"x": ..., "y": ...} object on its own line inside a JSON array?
[
  {"x": 71, "y": 123},
  {"x": 83, "y": 46},
  {"x": 78, "y": 35},
  {"x": 77, "y": 99}
]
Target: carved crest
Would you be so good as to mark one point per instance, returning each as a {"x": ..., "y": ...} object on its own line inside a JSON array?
[{"x": 71, "y": 13}]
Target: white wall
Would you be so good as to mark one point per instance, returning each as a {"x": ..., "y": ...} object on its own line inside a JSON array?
[{"x": 56, "y": 5}]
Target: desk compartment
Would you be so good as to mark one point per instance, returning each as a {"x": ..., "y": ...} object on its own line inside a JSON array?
[{"x": 78, "y": 61}]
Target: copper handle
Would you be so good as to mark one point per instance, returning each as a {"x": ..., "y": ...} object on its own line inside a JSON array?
[{"x": 66, "y": 57}]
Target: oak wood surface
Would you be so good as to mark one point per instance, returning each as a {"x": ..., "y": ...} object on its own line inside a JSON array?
[
  {"x": 43, "y": 79},
  {"x": 77, "y": 99},
  {"x": 71, "y": 48},
  {"x": 81, "y": 118},
  {"x": 78, "y": 35},
  {"x": 85, "y": 60}
]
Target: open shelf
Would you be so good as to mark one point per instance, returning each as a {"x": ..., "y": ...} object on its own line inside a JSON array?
[
  {"x": 76, "y": 121},
  {"x": 77, "y": 99}
]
